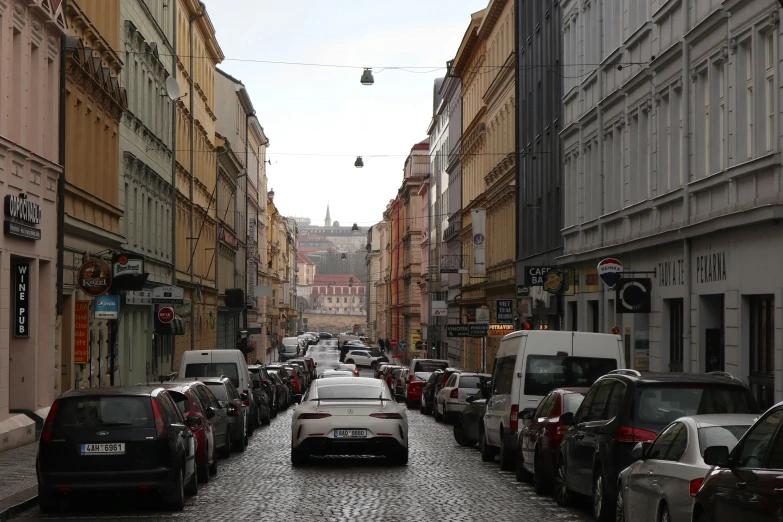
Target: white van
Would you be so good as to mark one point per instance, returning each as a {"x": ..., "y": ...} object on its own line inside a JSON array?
[
  {"x": 215, "y": 363},
  {"x": 531, "y": 363}
]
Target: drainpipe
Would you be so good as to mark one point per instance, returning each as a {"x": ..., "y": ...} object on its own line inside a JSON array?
[
  {"x": 61, "y": 178},
  {"x": 174, "y": 162},
  {"x": 192, "y": 173},
  {"x": 686, "y": 90}
]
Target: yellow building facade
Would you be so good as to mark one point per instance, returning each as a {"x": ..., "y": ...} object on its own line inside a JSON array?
[{"x": 198, "y": 55}]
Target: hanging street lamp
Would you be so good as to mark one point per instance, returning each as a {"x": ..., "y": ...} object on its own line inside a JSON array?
[
  {"x": 359, "y": 163},
  {"x": 367, "y": 78}
]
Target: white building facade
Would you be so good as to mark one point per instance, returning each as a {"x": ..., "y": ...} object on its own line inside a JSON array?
[{"x": 672, "y": 166}]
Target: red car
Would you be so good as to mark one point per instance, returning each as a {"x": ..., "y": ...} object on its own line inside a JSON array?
[
  {"x": 413, "y": 388},
  {"x": 540, "y": 437},
  {"x": 296, "y": 381}
]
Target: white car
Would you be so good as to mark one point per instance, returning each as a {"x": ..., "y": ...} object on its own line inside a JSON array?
[
  {"x": 337, "y": 373},
  {"x": 348, "y": 367},
  {"x": 362, "y": 357},
  {"x": 349, "y": 416},
  {"x": 453, "y": 397}
]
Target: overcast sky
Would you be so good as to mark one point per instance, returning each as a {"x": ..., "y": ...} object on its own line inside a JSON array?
[{"x": 325, "y": 110}]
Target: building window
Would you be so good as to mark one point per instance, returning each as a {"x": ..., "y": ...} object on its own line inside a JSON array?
[
  {"x": 675, "y": 334},
  {"x": 769, "y": 88},
  {"x": 749, "y": 98},
  {"x": 706, "y": 134},
  {"x": 762, "y": 348},
  {"x": 722, "y": 116}
]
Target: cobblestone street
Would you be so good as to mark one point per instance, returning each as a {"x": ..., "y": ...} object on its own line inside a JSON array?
[{"x": 441, "y": 482}]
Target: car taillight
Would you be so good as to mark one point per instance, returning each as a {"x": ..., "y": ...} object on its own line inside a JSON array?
[
  {"x": 559, "y": 431},
  {"x": 626, "y": 434},
  {"x": 386, "y": 415},
  {"x": 696, "y": 486},
  {"x": 160, "y": 424},
  {"x": 356, "y": 372},
  {"x": 314, "y": 415},
  {"x": 454, "y": 394},
  {"x": 233, "y": 411},
  {"x": 514, "y": 424},
  {"x": 46, "y": 434},
  {"x": 246, "y": 402},
  {"x": 410, "y": 378}
]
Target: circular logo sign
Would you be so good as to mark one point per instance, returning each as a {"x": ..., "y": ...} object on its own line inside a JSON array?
[
  {"x": 610, "y": 271},
  {"x": 94, "y": 277},
  {"x": 123, "y": 260},
  {"x": 165, "y": 314},
  {"x": 478, "y": 239},
  {"x": 555, "y": 280}
]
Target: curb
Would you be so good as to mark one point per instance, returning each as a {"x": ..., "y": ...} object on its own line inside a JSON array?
[{"x": 18, "y": 502}]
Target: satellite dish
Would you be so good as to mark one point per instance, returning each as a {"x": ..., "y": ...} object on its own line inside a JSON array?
[{"x": 172, "y": 88}]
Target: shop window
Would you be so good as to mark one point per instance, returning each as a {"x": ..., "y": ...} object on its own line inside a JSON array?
[
  {"x": 675, "y": 334},
  {"x": 762, "y": 348}
]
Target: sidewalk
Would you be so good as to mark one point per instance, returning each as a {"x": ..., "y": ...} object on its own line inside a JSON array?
[{"x": 18, "y": 483}]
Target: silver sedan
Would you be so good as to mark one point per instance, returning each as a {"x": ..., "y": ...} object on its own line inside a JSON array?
[{"x": 668, "y": 472}]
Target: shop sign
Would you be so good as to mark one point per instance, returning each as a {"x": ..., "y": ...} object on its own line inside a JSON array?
[
  {"x": 633, "y": 296},
  {"x": 671, "y": 273},
  {"x": 711, "y": 268},
  {"x": 479, "y": 222},
  {"x": 138, "y": 297},
  {"x": 467, "y": 330},
  {"x": 94, "y": 277},
  {"x": 168, "y": 295},
  {"x": 499, "y": 330},
  {"x": 504, "y": 310},
  {"x": 482, "y": 315},
  {"x": 22, "y": 300},
  {"x": 128, "y": 264},
  {"x": 555, "y": 281},
  {"x": 439, "y": 309},
  {"x": 610, "y": 271},
  {"x": 525, "y": 307},
  {"x": 523, "y": 291},
  {"x": 107, "y": 307},
  {"x": 81, "y": 333},
  {"x": 536, "y": 275},
  {"x": 19, "y": 208},
  {"x": 165, "y": 314}
]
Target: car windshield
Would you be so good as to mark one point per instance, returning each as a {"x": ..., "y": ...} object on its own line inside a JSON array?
[
  {"x": 544, "y": 373},
  {"x": 213, "y": 370},
  {"x": 218, "y": 389},
  {"x": 100, "y": 412},
  {"x": 430, "y": 366},
  {"x": 349, "y": 392},
  {"x": 720, "y": 436},
  {"x": 290, "y": 348},
  {"x": 471, "y": 381},
  {"x": 396, "y": 372},
  {"x": 664, "y": 404},
  {"x": 421, "y": 376},
  {"x": 571, "y": 401}
]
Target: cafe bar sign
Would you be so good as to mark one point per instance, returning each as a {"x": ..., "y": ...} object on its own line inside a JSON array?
[{"x": 20, "y": 216}]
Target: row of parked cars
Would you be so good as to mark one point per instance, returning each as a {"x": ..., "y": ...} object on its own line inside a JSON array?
[
  {"x": 562, "y": 412},
  {"x": 163, "y": 438}
]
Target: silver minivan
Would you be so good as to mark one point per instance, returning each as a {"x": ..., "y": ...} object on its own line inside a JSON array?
[{"x": 531, "y": 363}]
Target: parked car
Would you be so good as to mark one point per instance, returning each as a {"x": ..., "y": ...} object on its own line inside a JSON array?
[
  {"x": 447, "y": 373},
  {"x": 541, "y": 435},
  {"x": 348, "y": 367},
  {"x": 116, "y": 439},
  {"x": 343, "y": 337},
  {"x": 287, "y": 377},
  {"x": 624, "y": 408},
  {"x": 427, "y": 365},
  {"x": 310, "y": 367},
  {"x": 297, "y": 380},
  {"x": 452, "y": 398},
  {"x": 329, "y": 344},
  {"x": 238, "y": 413},
  {"x": 283, "y": 391},
  {"x": 387, "y": 371},
  {"x": 530, "y": 364},
  {"x": 258, "y": 373},
  {"x": 466, "y": 427},
  {"x": 261, "y": 404},
  {"x": 399, "y": 384},
  {"x": 413, "y": 387},
  {"x": 212, "y": 433},
  {"x": 379, "y": 369},
  {"x": 289, "y": 348},
  {"x": 217, "y": 363},
  {"x": 391, "y": 378},
  {"x": 745, "y": 482},
  {"x": 324, "y": 335},
  {"x": 304, "y": 371},
  {"x": 668, "y": 472},
  {"x": 349, "y": 415},
  {"x": 428, "y": 392}
]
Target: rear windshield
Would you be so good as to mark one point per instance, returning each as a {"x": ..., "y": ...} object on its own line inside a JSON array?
[
  {"x": 290, "y": 348},
  {"x": 430, "y": 366},
  {"x": 376, "y": 352},
  {"x": 218, "y": 389},
  {"x": 349, "y": 391},
  {"x": 544, "y": 373},
  {"x": 421, "y": 376},
  {"x": 571, "y": 402},
  {"x": 471, "y": 381},
  {"x": 396, "y": 372},
  {"x": 720, "y": 436},
  {"x": 104, "y": 412},
  {"x": 213, "y": 370},
  {"x": 662, "y": 405}
]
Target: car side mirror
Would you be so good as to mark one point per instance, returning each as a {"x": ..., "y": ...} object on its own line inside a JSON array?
[
  {"x": 717, "y": 456},
  {"x": 193, "y": 421},
  {"x": 470, "y": 398},
  {"x": 639, "y": 452},
  {"x": 567, "y": 419},
  {"x": 210, "y": 412},
  {"x": 244, "y": 396},
  {"x": 527, "y": 414}
]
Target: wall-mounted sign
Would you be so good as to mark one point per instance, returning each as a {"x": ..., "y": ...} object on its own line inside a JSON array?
[
  {"x": 107, "y": 307},
  {"x": 467, "y": 330},
  {"x": 711, "y": 268},
  {"x": 505, "y": 310},
  {"x": 633, "y": 296},
  {"x": 439, "y": 309},
  {"x": 20, "y": 215},
  {"x": 165, "y": 314},
  {"x": 523, "y": 291},
  {"x": 536, "y": 275},
  {"x": 671, "y": 273},
  {"x": 22, "y": 300},
  {"x": 168, "y": 295},
  {"x": 499, "y": 330},
  {"x": 94, "y": 277},
  {"x": 525, "y": 307},
  {"x": 127, "y": 264},
  {"x": 138, "y": 297},
  {"x": 482, "y": 315},
  {"x": 610, "y": 271},
  {"x": 81, "y": 333},
  {"x": 554, "y": 283},
  {"x": 479, "y": 223}
]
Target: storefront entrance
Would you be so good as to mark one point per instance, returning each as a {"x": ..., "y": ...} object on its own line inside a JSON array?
[{"x": 711, "y": 338}]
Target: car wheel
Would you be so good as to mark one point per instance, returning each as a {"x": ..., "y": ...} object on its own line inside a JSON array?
[
  {"x": 349, "y": 361},
  {"x": 421, "y": 407},
  {"x": 225, "y": 451},
  {"x": 665, "y": 517},
  {"x": 298, "y": 458},
  {"x": 202, "y": 472},
  {"x": 48, "y": 502},
  {"x": 399, "y": 458},
  {"x": 176, "y": 498},
  {"x": 436, "y": 412},
  {"x": 521, "y": 473},
  {"x": 619, "y": 510},
  {"x": 374, "y": 366},
  {"x": 191, "y": 488},
  {"x": 460, "y": 437},
  {"x": 506, "y": 458},
  {"x": 541, "y": 481},
  {"x": 601, "y": 499},
  {"x": 563, "y": 495},
  {"x": 487, "y": 452},
  {"x": 213, "y": 467}
]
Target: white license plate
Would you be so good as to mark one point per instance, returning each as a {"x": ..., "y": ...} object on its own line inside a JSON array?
[
  {"x": 104, "y": 448},
  {"x": 350, "y": 434}
]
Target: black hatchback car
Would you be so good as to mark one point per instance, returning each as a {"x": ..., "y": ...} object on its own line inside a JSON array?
[
  {"x": 624, "y": 408},
  {"x": 117, "y": 439}
]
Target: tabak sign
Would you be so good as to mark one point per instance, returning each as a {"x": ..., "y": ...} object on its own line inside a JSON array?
[{"x": 94, "y": 277}]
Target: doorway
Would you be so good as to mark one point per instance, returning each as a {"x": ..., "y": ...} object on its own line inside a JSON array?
[{"x": 711, "y": 327}]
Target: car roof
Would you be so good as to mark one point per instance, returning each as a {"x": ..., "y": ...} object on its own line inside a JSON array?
[
  {"x": 353, "y": 381},
  {"x": 724, "y": 419},
  {"x": 462, "y": 374},
  {"x": 677, "y": 378},
  {"x": 139, "y": 389}
]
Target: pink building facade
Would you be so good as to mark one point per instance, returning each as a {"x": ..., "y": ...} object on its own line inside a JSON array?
[{"x": 30, "y": 42}]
